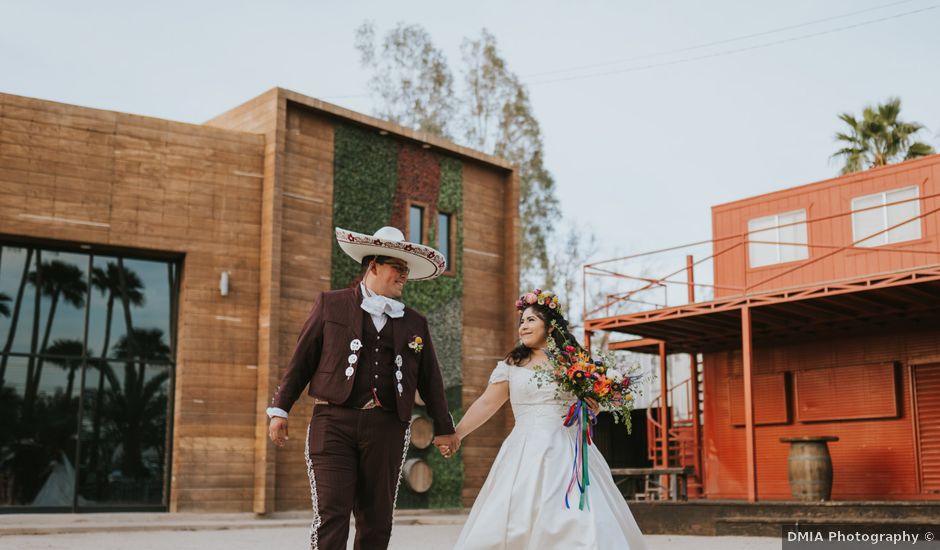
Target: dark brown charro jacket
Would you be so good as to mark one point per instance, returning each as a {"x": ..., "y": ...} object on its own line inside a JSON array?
[{"x": 323, "y": 351}]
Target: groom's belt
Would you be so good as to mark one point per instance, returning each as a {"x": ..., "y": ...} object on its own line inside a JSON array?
[{"x": 370, "y": 405}]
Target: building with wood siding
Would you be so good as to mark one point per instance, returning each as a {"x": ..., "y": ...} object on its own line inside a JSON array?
[
  {"x": 176, "y": 264},
  {"x": 824, "y": 322}
]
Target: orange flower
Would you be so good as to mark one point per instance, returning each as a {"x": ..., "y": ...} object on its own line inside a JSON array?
[{"x": 602, "y": 387}]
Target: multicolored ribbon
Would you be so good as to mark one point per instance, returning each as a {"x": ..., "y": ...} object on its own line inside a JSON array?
[{"x": 581, "y": 414}]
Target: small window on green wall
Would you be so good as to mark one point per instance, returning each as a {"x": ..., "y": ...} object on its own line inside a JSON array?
[
  {"x": 444, "y": 237},
  {"x": 416, "y": 224}
]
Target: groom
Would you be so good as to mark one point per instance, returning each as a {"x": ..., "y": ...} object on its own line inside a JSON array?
[{"x": 363, "y": 355}]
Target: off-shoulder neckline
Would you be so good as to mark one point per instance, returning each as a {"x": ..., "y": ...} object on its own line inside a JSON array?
[{"x": 524, "y": 368}]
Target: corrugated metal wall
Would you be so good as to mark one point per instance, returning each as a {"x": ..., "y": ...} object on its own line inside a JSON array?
[
  {"x": 927, "y": 398},
  {"x": 857, "y": 388}
]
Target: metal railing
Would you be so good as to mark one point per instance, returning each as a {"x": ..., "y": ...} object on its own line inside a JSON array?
[{"x": 721, "y": 246}]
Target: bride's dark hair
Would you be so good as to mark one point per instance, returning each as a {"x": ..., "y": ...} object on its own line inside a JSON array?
[{"x": 555, "y": 324}]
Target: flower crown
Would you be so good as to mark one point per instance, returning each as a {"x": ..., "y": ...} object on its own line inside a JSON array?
[{"x": 541, "y": 297}]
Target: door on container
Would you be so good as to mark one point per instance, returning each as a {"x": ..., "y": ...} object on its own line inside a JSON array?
[{"x": 927, "y": 415}]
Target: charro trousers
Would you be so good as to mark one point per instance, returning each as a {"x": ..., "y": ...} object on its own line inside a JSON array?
[{"x": 354, "y": 461}]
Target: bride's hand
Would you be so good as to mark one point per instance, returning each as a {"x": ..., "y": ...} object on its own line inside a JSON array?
[
  {"x": 593, "y": 405},
  {"x": 447, "y": 444}
]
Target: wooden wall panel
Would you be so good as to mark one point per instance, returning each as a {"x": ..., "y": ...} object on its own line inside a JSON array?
[
  {"x": 306, "y": 241},
  {"x": 490, "y": 268},
  {"x": 265, "y": 115},
  {"x": 104, "y": 178}
]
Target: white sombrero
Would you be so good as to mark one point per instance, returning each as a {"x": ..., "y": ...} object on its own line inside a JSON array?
[{"x": 423, "y": 261}]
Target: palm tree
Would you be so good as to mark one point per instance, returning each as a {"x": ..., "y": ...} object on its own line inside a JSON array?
[
  {"x": 108, "y": 282},
  {"x": 11, "y": 333},
  {"x": 68, "y": 355},
  {"x": 117, "y": 282},
  {"x": 146, "y": 344},
  {"x": 133, "y": 407},
  {"x": 879, "y": 138},
  {"x": 56, "y": 280}
]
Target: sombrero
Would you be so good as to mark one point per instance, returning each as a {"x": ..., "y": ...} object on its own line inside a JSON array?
[{"x": 423, "y": 261}]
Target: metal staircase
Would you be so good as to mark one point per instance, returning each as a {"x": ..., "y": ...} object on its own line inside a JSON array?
[{"x": 685, "y": 438}]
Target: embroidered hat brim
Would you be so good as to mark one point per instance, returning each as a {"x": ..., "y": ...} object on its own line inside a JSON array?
[{"x": 423, "y": 261}]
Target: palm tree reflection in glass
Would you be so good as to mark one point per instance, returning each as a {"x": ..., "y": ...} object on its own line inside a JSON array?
[
  {"x": 56, "y": 280},
  {"x": 124, "y": 425},
  {"x": 130, "y": 410}
]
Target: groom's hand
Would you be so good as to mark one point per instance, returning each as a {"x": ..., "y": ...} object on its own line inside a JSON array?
[
  {"x": 277, "y": 430},
  {"x": 447, "y": 444}
]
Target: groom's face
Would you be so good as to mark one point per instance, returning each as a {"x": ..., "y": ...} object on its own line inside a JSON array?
[{"x": 388, "y": 278}]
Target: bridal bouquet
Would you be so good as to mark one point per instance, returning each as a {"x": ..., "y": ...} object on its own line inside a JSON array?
[{"x": 576, "y": 373}]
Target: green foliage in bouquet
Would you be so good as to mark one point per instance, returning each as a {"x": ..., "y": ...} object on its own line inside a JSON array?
[{"x": 576, "y": 373}]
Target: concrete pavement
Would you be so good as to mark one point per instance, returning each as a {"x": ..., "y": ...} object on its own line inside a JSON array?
[{"x": 145, "y": 531}]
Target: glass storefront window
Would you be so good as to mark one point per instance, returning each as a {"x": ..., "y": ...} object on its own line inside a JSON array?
[
  {"x": 85, "y": 404},
  {"x": 123, "y": 451}
]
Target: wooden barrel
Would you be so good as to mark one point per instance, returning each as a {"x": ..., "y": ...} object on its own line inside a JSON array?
[
  {"x": 418, "y": 400},
  {"x": 422, "y": 431},
  {"x": 810, "y": 467},
  {"x": 417, "y": 475}
]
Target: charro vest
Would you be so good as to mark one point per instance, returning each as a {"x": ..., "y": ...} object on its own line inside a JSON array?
[{"x": 376, "y": 367}]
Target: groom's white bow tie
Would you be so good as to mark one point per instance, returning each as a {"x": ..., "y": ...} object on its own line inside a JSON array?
[{"x": 377, "y": 305}]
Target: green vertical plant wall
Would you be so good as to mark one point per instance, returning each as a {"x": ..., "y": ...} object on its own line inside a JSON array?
[
  {"x": 373, "y": 177},
  {"x": 364, "y": 180}
]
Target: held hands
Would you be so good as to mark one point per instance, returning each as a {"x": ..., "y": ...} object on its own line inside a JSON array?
[
  {"x": 448, "y": 445},
  {"x": 277, "y": 430}
]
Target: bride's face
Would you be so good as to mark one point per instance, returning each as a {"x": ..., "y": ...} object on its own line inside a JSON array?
[{"x": 532, "y": 330}]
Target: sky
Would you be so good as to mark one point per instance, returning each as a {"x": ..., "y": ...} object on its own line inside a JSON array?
[{"x": 669, "y": 112}]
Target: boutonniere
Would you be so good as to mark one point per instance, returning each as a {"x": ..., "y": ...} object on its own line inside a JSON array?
[{"x": 416, "y": 344}]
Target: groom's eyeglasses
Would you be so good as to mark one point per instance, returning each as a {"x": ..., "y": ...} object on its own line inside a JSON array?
[{"x": 400, "y": 267}]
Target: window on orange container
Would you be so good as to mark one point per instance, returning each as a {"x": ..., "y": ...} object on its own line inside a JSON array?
[
  {"x": 777, "y": 239},
  {"x": 875, "y": 213}
]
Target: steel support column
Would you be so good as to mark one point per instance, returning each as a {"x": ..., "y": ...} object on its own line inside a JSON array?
[
  {"x": 663, "y": 406},
  {"x": 747, "y": 356}
]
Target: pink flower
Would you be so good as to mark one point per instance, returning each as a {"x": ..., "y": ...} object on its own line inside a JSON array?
[
  {"x": 530, "y": 298},
  {"x": 552, "y": 305}
]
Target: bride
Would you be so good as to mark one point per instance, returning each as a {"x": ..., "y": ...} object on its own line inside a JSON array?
[{"x": 522, "y": 503}]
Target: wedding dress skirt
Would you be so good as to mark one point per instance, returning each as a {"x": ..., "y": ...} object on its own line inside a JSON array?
[{"x": 522, "y": 503}]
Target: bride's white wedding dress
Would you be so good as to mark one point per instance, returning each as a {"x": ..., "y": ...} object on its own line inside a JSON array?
[{"x": 522, "y": 502}]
